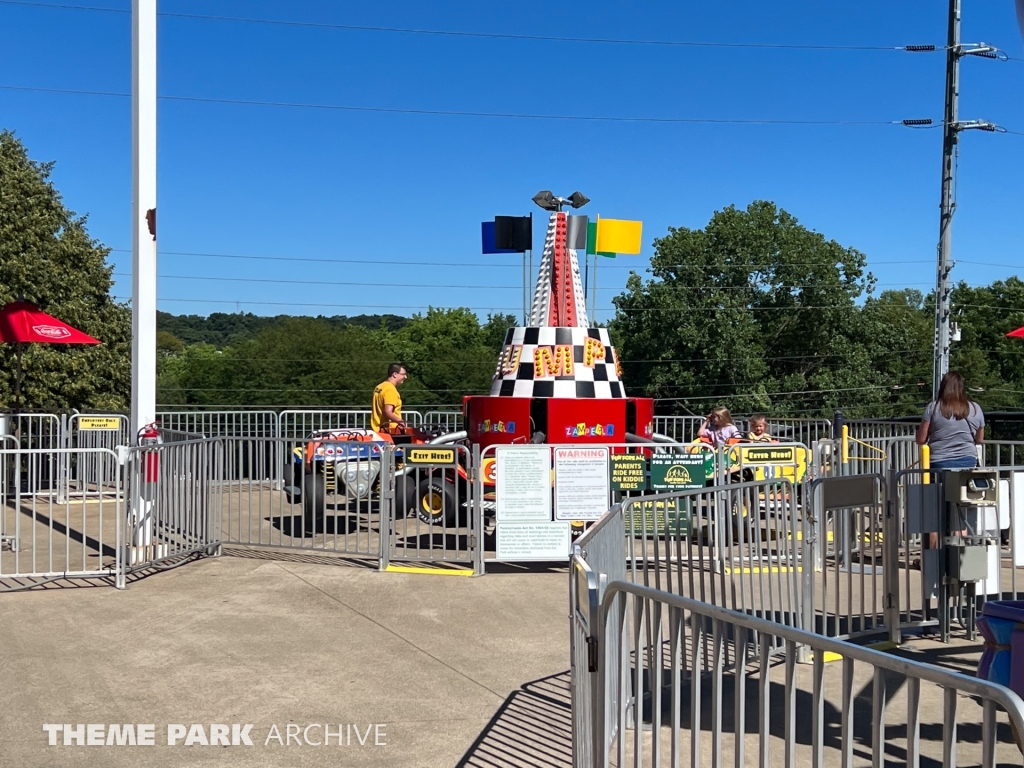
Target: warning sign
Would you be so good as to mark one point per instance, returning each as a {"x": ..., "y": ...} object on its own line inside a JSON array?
[
  {"x": 677, "y": 473},
  {"x": 670, "y": 517},
  {"x": 628, "y": 472},
  {"x": 436, "y": 456},
  {"x": 99, "y": 422}
]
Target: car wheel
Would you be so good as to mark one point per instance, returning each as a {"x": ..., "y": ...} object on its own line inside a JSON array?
[
  {"x": 436, "y": 502},
  {"x": 292, "y": 477},
  {"x": 314, "y": 500}
]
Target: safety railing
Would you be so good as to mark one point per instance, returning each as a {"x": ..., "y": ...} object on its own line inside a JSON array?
[
  {"x": 684, "y": 429},
  {"x": 877, "y": 429},
  {"x": 450, "y": 421},
  {"x": 737, "y": 544},
  {"x": 44, "y": 537},
  {"x": 301, "y": 423},
  {"x": 669, "y": 679},
  {"x": 222, "y": 423},
  {"x": 174, "y": 503}
]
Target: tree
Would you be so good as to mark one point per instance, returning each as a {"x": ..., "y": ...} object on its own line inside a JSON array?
[
  {"x": 752, "y": 306},
  {"x": 47, "y": 257}
]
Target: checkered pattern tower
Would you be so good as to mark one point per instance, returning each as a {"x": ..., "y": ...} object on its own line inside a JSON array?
[
  {"x": 558, "y": 356},
  {"x": 558, "y": 300}
]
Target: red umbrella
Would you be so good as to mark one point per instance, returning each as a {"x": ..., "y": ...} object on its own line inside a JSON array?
[
  {"x": 1019, "y": 333},
  {"x": 24, "y": 323}
]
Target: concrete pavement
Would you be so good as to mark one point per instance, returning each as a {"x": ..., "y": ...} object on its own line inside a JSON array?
[{"x": 438, "y": 670}]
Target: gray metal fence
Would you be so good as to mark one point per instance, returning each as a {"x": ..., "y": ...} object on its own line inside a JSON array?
[
  {"x": 327, "y": 501},
  {"x": 300, "y": 423},
  {"x": 221, "y": 423},
  {"x": 697, "y": 683},
  {"x": 174, "y": 503},
  {"x": 44, "y": 537},
  {"x": 684, "y": 429}
]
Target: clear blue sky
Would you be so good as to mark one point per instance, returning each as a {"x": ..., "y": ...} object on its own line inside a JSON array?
[{"x": 373, "y": 187}]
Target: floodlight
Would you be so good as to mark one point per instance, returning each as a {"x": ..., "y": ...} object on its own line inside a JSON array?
[
  {"x": 546, "y": 200},
  {"x": 578, "y": 199}
]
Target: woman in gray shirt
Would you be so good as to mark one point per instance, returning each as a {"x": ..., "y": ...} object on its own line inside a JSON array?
[{"x": 952, "y": 426}]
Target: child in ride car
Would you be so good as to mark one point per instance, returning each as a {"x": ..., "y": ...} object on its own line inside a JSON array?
[
  {"x": 718, "y": 429},
  {"x": 759, "y": 429}
]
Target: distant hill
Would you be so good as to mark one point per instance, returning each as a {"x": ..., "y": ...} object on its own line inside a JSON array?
[{"x": 221, "y": 329}]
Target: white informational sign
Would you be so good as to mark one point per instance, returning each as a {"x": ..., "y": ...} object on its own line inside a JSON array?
[
  {"x": 533, "y": 541},
  {"x": 581, "y": 483},
  {"x": 522, "y": 483}
]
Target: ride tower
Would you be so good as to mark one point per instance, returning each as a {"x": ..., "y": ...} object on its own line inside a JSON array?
[{"x": 557, "y": 380}]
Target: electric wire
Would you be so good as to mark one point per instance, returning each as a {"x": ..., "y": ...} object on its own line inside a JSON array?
[
  {"x": 372, "y": 261},
  {"x": 464, "y": 113},
  {"x": 489, "y": 35}
]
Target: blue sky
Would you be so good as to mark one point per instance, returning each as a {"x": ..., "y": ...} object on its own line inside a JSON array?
[{"x": 366, "y": 188}]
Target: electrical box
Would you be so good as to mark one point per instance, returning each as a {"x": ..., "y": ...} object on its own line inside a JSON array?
[
  {"x": 967, "y": 563},
  {"x": 972, "y": 487},
  {"x": 922, "y": 508}
]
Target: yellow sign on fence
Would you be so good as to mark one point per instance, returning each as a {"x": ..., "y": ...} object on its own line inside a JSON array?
[
  {"x": 99, "y": 422},
  {"x": 445, "y": 456}
]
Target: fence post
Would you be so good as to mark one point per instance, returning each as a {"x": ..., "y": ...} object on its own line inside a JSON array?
[
  {"x": 476, "y": 489},
  {"x": 891, "y": 541},
  {"x": 387, "y": 506}
]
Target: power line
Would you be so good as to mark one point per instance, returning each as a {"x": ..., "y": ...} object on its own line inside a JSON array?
[
  {"x": 463, "y": 113},
  {"x": 324, "y": 282},
  {"x": 367, "y": 261},
  {"x": 473, "y": 287},
  {"x": 489, "y": 35},
  {"x": 491, "y": 364},
  {"x": 370, "y": 261}
]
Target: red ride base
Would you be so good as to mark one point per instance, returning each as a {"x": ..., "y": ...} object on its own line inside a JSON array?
[{"x": 504, "y": 420}]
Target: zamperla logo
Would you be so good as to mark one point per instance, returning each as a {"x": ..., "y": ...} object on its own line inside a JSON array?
[
  {"x": 51, "y": 331},
  {"x": 678, "y": 475}
]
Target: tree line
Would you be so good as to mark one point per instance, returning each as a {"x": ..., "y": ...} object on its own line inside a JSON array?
[{"x": 753, "y": 311}]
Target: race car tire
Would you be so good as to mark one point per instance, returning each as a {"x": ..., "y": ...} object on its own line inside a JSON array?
[
  {"x": 436, "y": 502},
  {"x": 293, "y": 477},
  {"x": 314, "y": 500},
  {"x": 405, "y": 496}
]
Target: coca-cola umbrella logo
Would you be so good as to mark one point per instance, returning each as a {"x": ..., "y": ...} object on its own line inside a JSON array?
[
  {"x": 24, "y": 323},
  {"x": 52, "y": 331}
]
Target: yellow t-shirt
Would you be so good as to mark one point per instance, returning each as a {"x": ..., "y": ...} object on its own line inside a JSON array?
[{"x": 385, "y": 393}]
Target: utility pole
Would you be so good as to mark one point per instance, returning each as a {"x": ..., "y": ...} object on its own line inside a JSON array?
[
  {"x": 949, "y": 141},
  {"x": 143, "y": 407},
  {"x": 951, "y": 129}
]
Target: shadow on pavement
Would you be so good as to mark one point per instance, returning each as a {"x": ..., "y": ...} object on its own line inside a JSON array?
[{"x": 533, "y": 727}]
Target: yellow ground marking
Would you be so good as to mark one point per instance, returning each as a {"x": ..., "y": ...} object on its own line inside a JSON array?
[
  {"x": 883, "y": 645},
  {"x": 828, "y": 656},
  {"x": 430, "y": 571},
  {"x": 757, "y": 569}
]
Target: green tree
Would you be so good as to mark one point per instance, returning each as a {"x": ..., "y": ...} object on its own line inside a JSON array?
[
  {"x": 48, "y": 257},
  {"x": 751, "y": 306}
]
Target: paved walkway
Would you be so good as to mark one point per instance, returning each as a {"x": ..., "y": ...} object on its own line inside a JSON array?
[{"x": 454, "y": 671}]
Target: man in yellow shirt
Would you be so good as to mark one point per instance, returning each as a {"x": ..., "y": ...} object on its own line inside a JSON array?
[{"x": 386, "y": 411}]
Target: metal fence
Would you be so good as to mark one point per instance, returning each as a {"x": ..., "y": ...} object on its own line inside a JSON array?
[
  {"x": 174, "y": 504},
  {"x": 684, "y": 429},
  {"x": 222, "y": 423},
  {"x": 330, "y": 503},
  {"x": 692, "y": 682},
  {"x": 43, "y": 537},
  {"x": 299, "y": 424}
]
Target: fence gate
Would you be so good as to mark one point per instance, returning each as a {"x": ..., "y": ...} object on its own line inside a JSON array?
[
  {"x": 848, "y": 591},
  {"x": 433, "y": 514},
  {"x": 88, "y": 474},
  {"x": 45, "y": 538}
]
